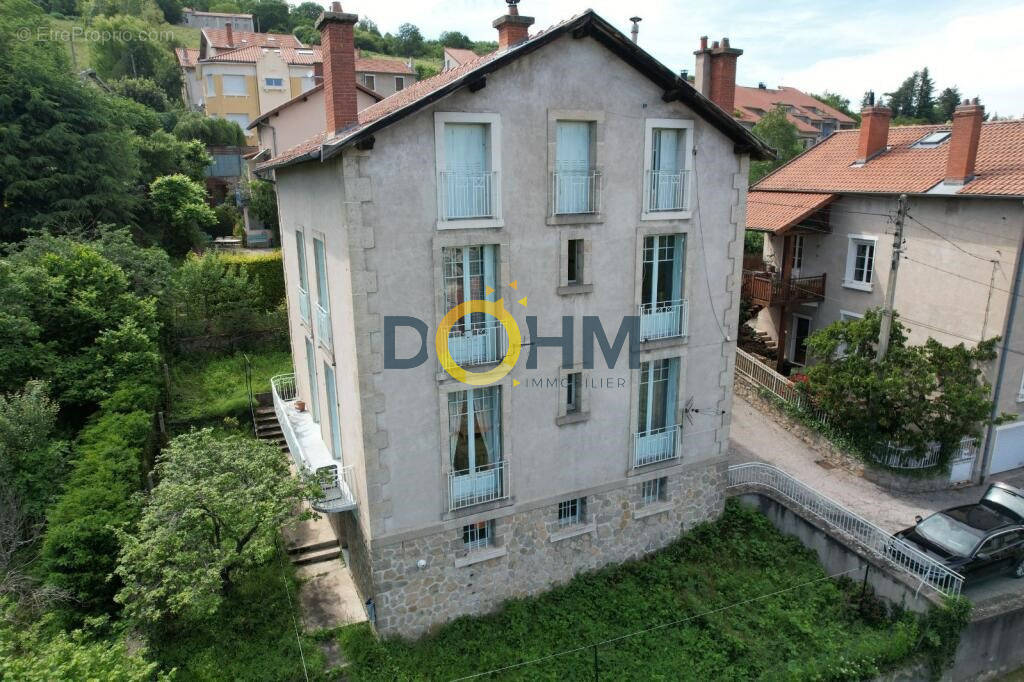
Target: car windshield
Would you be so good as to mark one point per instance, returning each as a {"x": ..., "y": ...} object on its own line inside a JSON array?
[
  {"x": 1006, "y": 500},
  {"x": 949, "y": 534}
]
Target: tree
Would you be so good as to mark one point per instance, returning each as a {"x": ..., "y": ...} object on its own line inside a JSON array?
[
  {"x": 63, "y": 161},
  {"x": 181, "y": 213},
  {"x": 132, "y": 53},
  {"x": 916, "y": 395},
  {"x": 210, "y": 131},
  {"x": 148, "y": 270},
  {"x": 306, "y": 14},
  {"x": 777, "y": 132},
  {"x": 215, "y": 512},
  {"x": 409, "y": 41},
  {"x": 145, "y": 91},
  {"x": 163, "y": 154},
  {"x": 307, "y": 35},
  {"x": 924, "y": 97},
  {"x": 31, "y": 457},
  {"x": 263, "y": 201},
  {"x": 946, "y": 104},
  {"x": 455, "y": 39},
  {"x": 838, "y": 102},
  {"x": 171, "y": 10},
  {"x": 368, "y": 25},
  {"x": 269, "y": 16}
]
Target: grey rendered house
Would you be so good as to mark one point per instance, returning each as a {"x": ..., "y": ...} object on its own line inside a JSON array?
[
  {"x": 828, "y": 216},
  {"x": 498, "y": 184}
]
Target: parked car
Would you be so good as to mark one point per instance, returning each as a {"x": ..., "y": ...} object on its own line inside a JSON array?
[{"x": 976, "y": 539}]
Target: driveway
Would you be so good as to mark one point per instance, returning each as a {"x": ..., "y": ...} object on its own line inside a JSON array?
[{"x": 756, "y": 436}]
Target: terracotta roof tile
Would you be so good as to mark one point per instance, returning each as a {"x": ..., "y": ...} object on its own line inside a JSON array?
[
  {"x": 460, "y": 55},
  {"x": 381, "y": 65},
  {"x": 249, "y": 55},
  {"x": 766, "y": 99},
  {"x": 218, "y": 38},
  {"x": 777, "y": 212},
  {"x": 187, "y": 57},
  {"x": 827, "y": 167}
]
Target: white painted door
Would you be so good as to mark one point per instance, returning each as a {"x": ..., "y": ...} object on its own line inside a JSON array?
[{"x": 1008, "y": 450}]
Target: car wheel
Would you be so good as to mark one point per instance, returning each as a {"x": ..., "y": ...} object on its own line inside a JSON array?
[{"x": 1018, "y": 570}]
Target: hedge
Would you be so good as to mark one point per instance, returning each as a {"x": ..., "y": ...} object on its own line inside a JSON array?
[
  {"x": 265, "y": 268},
  {"x": 80, "y": 547}
]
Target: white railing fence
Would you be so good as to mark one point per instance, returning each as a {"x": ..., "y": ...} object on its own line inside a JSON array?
[
  {"x": 664, "y": 320},
  {"x": 282, "y": 388},
  {"x": 760, "y": 374},
  {"x": 665, "y": 190},
  {"x": 469, "y": 194},
  {"x": 897, "y": 456},
  {"x": 337, "y": 485},
  {"x": 475, "y": 486},
  {"x": 324, "y": 333},
  {"x": 575, "y": 192},
  {"x": 656, "y": 445},
  {"x": 840, "y": 519},
  {"x": 476, "y": 343}
]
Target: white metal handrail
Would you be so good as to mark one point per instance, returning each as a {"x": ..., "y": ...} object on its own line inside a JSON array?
[
  {"x": 837, "y": 517},
  {"x": 664, "y": 320},
  {"x": 304, "y": 308},
  {"x": 324, "y": 333},
  {"x": 282, "y": 388},
  {"x": 767, "y": 378},
  {"x": 469, "y": 194},
  {"x": 336, "y": 482},
  {"x": 574, "y": 192},
  {"x": 665, "y": 190},
  {"x": 655, "y": 445},
  {"x": 476, "y": 343},
  {"x": 485, "y": 483},
  {"x": 897, "y": 456}
]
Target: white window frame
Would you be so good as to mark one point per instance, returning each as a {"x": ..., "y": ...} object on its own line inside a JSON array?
[
  {"x": 211, "y": 86},
  {"x": 478, "y": 535},
  {"x": 494, "y": 123},
  {"x": 399, "y": 83},
  {"x": 571, "y": 512},
  {"x": 681, "y": 124},
  {"x": 652, "y": 491},
  {"x": 574, "y": 392},
  {"x": 370, "y": 81},
  {"x": 853, "y": 241},
  {"x": 224, "y": 85}
]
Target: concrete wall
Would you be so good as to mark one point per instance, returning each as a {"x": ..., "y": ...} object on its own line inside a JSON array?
[
  {"x": 384, "y": 83},
  {"x": 378, "y": 212},
  {"x": 300, "y": 121}
]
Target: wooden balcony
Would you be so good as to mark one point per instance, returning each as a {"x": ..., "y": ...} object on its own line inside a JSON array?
[{"x": 768, "y": 289}]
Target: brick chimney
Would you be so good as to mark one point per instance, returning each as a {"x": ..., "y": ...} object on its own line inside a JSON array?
[
  {"x": 963, "y": 143},
  {"x": 337, "y": 46},
  {"x": 716, "y": 72},
  {"x": 231, "y": 36},
  {"x": 512, "y": 28},
  {"x": 874, "y": 131}
]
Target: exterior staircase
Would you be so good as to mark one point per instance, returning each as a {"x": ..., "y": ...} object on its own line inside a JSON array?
[
  {"x": 267, "y": 426},
  {"x": 769, "y": 342}
]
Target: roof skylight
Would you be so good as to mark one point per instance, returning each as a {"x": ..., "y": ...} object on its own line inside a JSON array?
[{"x": 933, "y": 139}]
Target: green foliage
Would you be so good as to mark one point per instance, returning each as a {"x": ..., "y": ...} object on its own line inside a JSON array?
[
  {"x": 215, "y": 511},
  {"x": 267, "y": 271},
  {"x": 145, "y": 91},
  {"x": 837, "y": 101},
  {"x": 213, "y": 297},
  {"x": 409, "y": 41},
  {"x": 915, "y": 395},
  {"x": 210, "y": 131},
  {"x": 455, "y": 39},
  {"x": 148, "y": 269},
  {"x": 171, "y": 10},
  {"x": 914, "y": 100},
  {"x": 753, "y": 242},
  {"x": 941, "y": 632},
  {"x": 80, "y": 545},
  {"x": 31, "y": 458},
  {"x": 146, "y": 10},
  {"x": 425, "y": 71},
  {"x": 39, "y": 653},
  {"x": 268, "y": 16},
  {"x": 776, "y": 131},
  {"x": 163, "y": 154},
  {"x": 74, "y": 320},
  {"x": 946, "y": 103},
  {"x": 307, "y": 34},
  {"x": 180, "y": 213},
  {"x": 263, "y": 201},
  {"x": 63, "y": 161},
  {"x": 228, "y": 217},
  {"x": 134, "y": 51},
  {"x": 306, "y": 13},
  {"x": 816, "y": 631},
  {"x": 207, "y": 388}
]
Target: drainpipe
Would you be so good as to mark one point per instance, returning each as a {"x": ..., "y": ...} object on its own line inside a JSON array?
[{"x": 1018, "y": 275}]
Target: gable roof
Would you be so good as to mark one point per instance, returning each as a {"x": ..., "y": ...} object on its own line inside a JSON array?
[
  {"x": 251, "y": 54},
  {"x": 777, "y": 211},
  {"x": 187, "y": 57},
  {"x": 304, "y": 96},
  {"x": 382, "y": 65},
  {"x": 748, "y": 100},
  {"x": 460, "y": 55},
  {"x": 218, "y": 38},
  {"x": 903, "y": 168},
  {"x": 422, "y": 93}
]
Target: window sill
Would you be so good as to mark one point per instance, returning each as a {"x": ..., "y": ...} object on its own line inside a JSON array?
[
  {"x": 666, "y": 215},
  {"x": 575, "y": 219},
  {"x": 652, "y": 510},
  {"x": 469, "y": 223},
  {"x": 477, "y": 556},
  {"x": 573, "y": 531},
  {"x": 859, "y": 286},
  {"x": 574, "y": 418},
  {"x": 573, "y": 289},
  {"x": 665, "y": 342}
]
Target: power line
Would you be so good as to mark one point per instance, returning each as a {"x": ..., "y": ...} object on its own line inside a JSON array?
[
  {"x": 662, "y": 626},
  {"x": 950, "y": 241}
]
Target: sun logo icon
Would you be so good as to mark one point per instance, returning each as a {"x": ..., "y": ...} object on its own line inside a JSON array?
[{"x": 495, "y": 309}]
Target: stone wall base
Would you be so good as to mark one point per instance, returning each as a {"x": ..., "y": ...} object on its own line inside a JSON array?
[{"x": 531, "y": 553}]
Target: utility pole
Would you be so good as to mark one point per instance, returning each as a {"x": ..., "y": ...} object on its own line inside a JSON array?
[{"x": 890, "y": 288}]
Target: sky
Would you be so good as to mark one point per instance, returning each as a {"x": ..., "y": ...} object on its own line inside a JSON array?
[{"x": 843, "y": 47}]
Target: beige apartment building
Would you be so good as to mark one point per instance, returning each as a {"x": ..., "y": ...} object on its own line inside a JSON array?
[
  {"x": 828, "y": 219},
  {"x": 546, "y": 208}
]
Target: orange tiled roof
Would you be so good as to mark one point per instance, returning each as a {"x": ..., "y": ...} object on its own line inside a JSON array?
[
  {"x": 777, "y": 212},
  {"x": 381, "y": 65},
  {"x": 218, "y": 38},
  {"x": 766, "y": 99},
  {"x": 249, "y": 55},
  {"x": 461, "y": 56},
  {"x": 187, "y": 57},
  {"x": 827, "y": 167}
]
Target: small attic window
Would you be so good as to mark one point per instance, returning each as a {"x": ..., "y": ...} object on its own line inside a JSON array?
[{"x": 933, "y": 139}]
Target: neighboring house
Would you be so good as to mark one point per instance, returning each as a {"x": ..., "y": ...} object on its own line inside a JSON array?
[
  {"x": 384, "y": 76},
  {"x": 191, "y": 85},
  {"x": 827, "y": 215},
  {"x": 224, "y": 172},
  {"x": 498, "y": 180},
  {"x": 191, "y": 17},
  {"x": 814, "y": 120},
  {"x": 454, "y": 57}
]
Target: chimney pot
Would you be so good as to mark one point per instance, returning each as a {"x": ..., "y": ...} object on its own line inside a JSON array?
[
  {"x": 336, "y": 6},
  {"x": 512, "y": 28},
  {"x": 874, "y": 131},
  {"x": 963, "y": 142},
  {"x": 337, "y": 47},
  {"x": 230, "y": 34},
  {"x": 714, "y": 45},
  {"x": 716, "y": 72},
  {"x": 703, "y": 42},
  {"x": 725, "y": 43}
]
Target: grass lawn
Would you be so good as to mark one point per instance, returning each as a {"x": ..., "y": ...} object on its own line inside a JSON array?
[
  {"x": 252, "y": 637},
  {"x": 208, "y": 387},
  {"x": 186, "y": 36},
  {"x": 815, "y": 631}
]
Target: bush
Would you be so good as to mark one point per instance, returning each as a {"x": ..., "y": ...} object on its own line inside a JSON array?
[
  {"x": 213, "y": 297},
  {"x": 267, "y": 270},
  {"x": 228, "y": 218},
  {"x": 80, "y": 545}
]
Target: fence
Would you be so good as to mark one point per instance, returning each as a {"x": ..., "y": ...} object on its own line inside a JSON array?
[
  {"x": 843, "y": 521},
  {"x": 760, "y": 374},
  {"x": 897, "y": 456}
]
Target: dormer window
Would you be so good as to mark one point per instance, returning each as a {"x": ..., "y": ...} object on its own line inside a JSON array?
[{"x": 933, "y": 139}]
